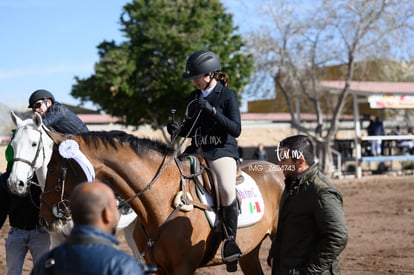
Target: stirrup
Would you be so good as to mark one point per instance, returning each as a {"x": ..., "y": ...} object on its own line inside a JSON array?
[{"x": 230, "y": 251}]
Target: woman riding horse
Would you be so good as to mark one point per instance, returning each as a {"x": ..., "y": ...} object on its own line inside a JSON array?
[{"x": 214, "y": 126}]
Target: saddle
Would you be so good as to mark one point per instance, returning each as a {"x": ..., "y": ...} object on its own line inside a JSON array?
[{"x": 205, "y": 179}]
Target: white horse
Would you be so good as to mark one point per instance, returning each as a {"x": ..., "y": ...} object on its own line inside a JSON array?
[{"x": 33, "y": 149}]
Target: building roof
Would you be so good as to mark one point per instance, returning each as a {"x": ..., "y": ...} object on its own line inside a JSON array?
[
  {"x": 98, "y": 119},
  {"x": 89, "y": 116},
  {"x": 371, "y": 87},
  {"x": 283, "y": 117},
  {"x": 80, "y": 109}
]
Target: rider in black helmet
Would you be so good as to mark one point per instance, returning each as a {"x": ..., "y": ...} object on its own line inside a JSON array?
[
  {"x": 54, "y": 114},
  {"x": 38, "y": 95},
  {"x": 200, "y": 63},
  {"x": 214, "y": 124}
]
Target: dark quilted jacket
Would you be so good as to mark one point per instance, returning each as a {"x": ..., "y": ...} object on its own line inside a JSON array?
[
  {"x": 311, "y": 230},
  {"x": 63, "y": 120}
]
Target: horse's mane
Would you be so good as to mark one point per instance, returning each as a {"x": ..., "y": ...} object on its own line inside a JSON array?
[{"x": 114, "y": 138}]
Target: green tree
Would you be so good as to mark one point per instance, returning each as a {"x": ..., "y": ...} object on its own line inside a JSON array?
[{"x": 140, "y": 79}]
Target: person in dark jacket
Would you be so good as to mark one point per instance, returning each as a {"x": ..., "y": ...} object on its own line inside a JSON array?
[
  {"x": 55, "y": 115},
  {"x": 91, "y": 246},
  {"x": 311, "y": 230},
  {"x": 376, "y": 128},
  {"x": 214, "y": 123},
  {"x": 25, "y": 232}
]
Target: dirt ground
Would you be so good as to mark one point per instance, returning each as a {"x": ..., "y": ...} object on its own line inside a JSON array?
[{"x": 380, "y": 219}]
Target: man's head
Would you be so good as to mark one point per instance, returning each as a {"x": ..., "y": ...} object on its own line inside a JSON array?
[
  {"x": 295, "y": 154},
  {"x": 40, "y": 101},
  {"x": 94, "y": 204}
]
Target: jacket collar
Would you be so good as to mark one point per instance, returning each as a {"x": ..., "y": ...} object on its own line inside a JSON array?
[
  {"x": 300, "y": 179},
  {"x": 82, "y": 229}
]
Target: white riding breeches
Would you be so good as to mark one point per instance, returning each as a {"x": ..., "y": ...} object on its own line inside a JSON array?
[{"x": 226, "y": 170}]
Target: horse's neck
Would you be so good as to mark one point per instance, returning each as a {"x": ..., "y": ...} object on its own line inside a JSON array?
[
  {"x": 46, "y": 151},
  {"x": 41, "y": 176},
  {"x": 131, "y": 180}
]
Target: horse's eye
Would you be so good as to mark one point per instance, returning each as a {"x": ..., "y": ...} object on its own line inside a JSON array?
[{"x": 34, "y": 144}]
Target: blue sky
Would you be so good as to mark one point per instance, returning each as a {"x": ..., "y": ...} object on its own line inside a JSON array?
[{"x": 45, "y": 43}]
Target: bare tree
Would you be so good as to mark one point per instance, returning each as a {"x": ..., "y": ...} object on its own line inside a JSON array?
[{"x": 305, "y": 39}]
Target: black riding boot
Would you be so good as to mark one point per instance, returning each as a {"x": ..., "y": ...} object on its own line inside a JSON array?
[{"x": 231, "y": 251}]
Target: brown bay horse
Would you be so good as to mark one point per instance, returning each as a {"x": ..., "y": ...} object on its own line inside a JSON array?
[{"x": 145, "y": 174}]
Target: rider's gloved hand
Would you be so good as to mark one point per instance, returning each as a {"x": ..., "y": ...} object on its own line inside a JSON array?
[
  {"x": 205, "y": 105},
  {"x": 173, "y": 127}
]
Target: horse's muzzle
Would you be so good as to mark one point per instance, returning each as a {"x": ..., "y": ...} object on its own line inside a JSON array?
[{"x": 18, "y": 187}]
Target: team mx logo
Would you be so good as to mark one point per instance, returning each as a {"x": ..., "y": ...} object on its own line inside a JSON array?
[
  {"x": 206, "y": 139},
  {"x": 282, "y": 154}
]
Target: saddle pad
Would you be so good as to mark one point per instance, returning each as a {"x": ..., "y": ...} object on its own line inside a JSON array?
[{"x": 252, "y": 204}]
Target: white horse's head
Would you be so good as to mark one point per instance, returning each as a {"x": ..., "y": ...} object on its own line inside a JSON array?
[{"x": 32, "y": 149}]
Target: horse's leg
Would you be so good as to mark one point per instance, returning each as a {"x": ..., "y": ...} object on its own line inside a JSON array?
[
  {"x": 250, "y": 263},
  {"x": 56, "y": 238}
]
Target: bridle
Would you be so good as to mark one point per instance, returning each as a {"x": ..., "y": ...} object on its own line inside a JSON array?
[
  {"x": 40, "y": 149},
  {"x": 164, "y": 164},
  {"x": 61, "y": 209}
]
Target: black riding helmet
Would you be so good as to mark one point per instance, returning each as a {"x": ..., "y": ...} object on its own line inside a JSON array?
[
  {"x": 40, "y": 94},
  {"x": 201, "y": 63}
]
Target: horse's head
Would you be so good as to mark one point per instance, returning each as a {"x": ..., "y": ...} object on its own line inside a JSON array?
[
  {"x": 62, "y": 176},
  {"x": 32, "y": 149}
]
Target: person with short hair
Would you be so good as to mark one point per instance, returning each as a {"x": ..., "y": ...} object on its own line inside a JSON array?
[
  {"x": 91, "y": 246},
  {"x": 311, "y": 230},
  {"x": 55, "y": 115}
]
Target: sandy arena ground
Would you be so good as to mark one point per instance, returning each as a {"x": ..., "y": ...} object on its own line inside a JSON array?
[{"x": 380, "y": 218}]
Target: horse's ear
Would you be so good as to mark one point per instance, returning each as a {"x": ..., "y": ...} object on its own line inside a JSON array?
[
  {"x": 37, "y": 120},
  {"x": 17, "y": 120},
  {"x": 55, "y": 136}
]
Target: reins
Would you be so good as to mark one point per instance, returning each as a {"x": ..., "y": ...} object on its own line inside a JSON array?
[
  {"x": 186, "y": 115},
  {"x": 163, "y": 167}
]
